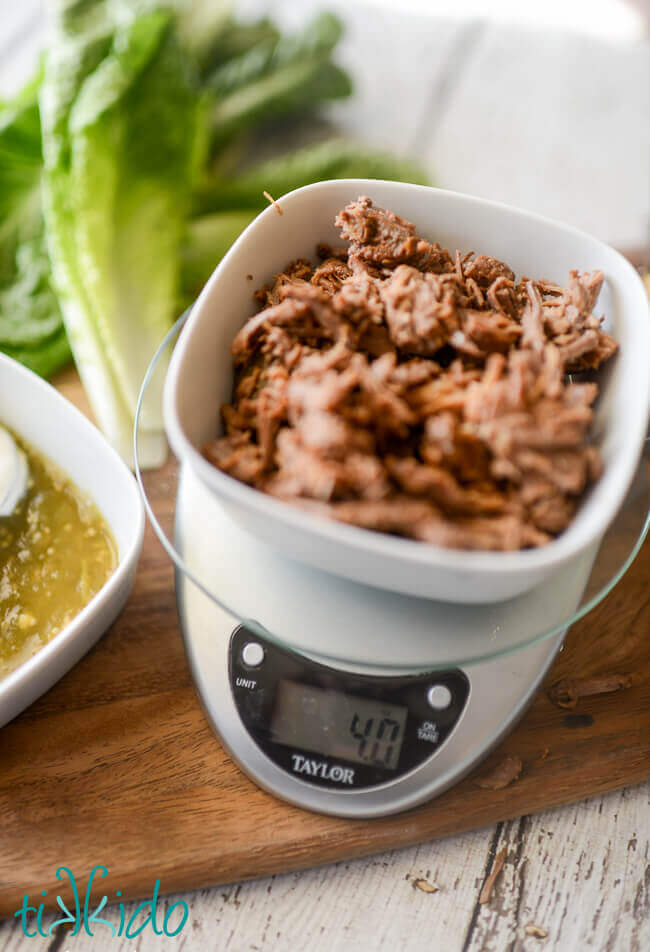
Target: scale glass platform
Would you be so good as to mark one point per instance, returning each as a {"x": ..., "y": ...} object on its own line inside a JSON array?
[{"x": 353, "y": 701}]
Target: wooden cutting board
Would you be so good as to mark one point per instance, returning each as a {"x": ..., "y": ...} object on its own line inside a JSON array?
[{"x": 116, "y": 765}]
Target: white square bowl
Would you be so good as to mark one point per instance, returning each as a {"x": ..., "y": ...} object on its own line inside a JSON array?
[
  {"x": 53, "y": 427},
  {"x": 200, "y": 380}
]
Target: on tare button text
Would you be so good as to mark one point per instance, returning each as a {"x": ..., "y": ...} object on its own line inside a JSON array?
[{"x": 428, "y": 731}]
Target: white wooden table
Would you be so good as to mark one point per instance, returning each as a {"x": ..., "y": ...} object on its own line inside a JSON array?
[{"x": 561, "y": 125}]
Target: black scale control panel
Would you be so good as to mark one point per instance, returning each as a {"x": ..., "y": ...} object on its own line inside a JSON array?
[{"x": 337, "y": 729}]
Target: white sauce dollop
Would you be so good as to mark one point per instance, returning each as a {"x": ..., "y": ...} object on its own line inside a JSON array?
[{"x": 14, "y": 474}]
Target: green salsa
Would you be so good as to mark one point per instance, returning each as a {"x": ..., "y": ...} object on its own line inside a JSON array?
[{"x": 56, "y": 552}]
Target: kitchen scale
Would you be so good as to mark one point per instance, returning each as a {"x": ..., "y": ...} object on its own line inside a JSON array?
[{"x": 354, "y": 701}]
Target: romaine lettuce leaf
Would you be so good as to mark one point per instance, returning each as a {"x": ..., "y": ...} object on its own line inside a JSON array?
[
  {"x": 332, "y": 159},
  {"x": 121, "y": 145},
  {"x": 31, "y": 327},
  {"x": 278, "y": 78}
]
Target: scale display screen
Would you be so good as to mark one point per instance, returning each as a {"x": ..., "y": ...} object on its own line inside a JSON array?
[{"x": 338, "y": 725}]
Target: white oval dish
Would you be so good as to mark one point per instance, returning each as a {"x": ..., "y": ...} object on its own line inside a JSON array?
[
  {"x": 57, "y": 430},
  {"x": 199, "y": 380}
]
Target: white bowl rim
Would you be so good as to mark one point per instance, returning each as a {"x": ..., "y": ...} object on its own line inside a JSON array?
[
  {"x": 559, "y": 550},
  {"x": 28, "y": 668}
]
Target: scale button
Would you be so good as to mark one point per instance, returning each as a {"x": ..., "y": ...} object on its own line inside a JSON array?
[
  {"x": 439, "y": 697},
  {"x": 252, "y": 654}
]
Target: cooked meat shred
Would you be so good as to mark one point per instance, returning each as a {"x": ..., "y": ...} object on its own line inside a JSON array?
[
  {"x": 379, "y": 237},
  {"x": 397, "y": 388}
]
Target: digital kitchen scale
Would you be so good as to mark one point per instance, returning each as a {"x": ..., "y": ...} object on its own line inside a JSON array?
[{"x": 355, "y": 701}]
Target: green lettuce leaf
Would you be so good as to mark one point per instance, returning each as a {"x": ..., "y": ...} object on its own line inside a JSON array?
[
  {"x": 121, "y": 144},
  {"x": 206, "y": 241},
  {"x": 31, "y": 327},
  {"x": 332, "y": 159},
  {"x": 277, "y": 79}
]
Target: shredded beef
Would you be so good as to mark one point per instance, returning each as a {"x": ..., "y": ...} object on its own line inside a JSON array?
[
  {"x": 400, "y": 389},
  {"x": 296, "y": 273},
  {"x": 485, "y": 270},
  {"x": 569, "y": 322},
  {"x": 381, "y": 238},
  {"x": 331, "y": 274},
  {"x": 420, "y": 311}
]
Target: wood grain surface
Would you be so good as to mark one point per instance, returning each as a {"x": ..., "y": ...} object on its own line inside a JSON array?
[{"x": 116, "y": 764}]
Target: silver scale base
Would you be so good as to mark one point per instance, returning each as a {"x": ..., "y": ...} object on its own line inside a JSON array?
[{"x": 358, "y": 629}]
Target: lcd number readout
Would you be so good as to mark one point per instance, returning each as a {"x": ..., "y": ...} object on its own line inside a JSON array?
[
  {"x": 379, "y": 739},
  {"x": 338, "y": 725}
]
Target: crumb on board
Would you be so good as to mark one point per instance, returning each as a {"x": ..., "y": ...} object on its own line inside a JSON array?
[
  {"x": 502, "y": 775},
  {"x": 536, "y": 931},
  {"x": 545, "y": 753},
  {"x": 249, "y": 277},
  {"x": 273, "y": 202},
  {"x": 425, "y": 886},
  {"x": 488, "y": 885},
  {"x": 566, "y": 692}
]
